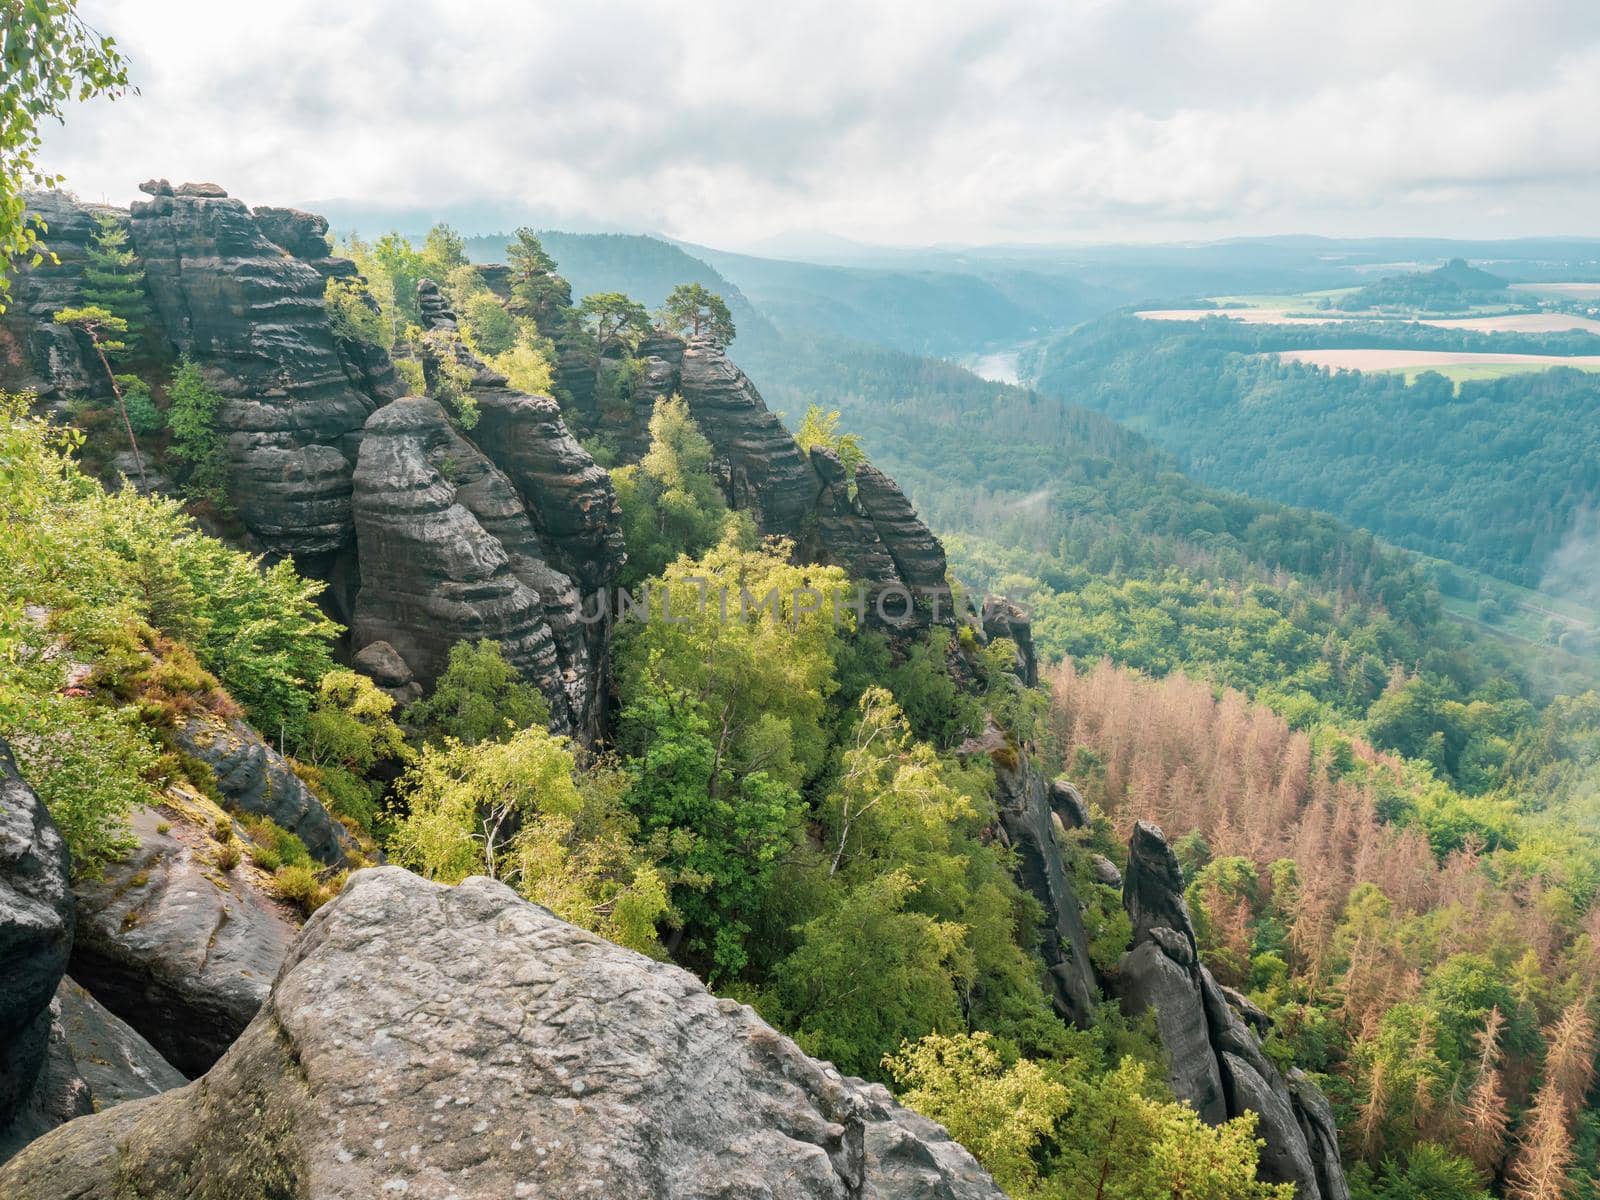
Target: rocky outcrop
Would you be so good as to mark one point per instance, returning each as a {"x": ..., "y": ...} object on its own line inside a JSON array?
[
  {"x": 1003, "y": 618},
  {"x": 1215, "y": 1059},
  {"x": 61, "y": 1054},
  {"x": 176, "y": 948},
  {"x": 448, "y": 553},
  {"x": 249, "y": 310},
  {"x": 37, "y": 355},
  {"x": 252, "y": 777},
  {"x": 508, "y": 532},
  {"x": 864, "y": 524},
  {"x": 112, "y": 1059},
  {"x": 1023, "y": 799},
  {"x": 429, "y": 1041},
  {"x": 36, "y": 916}
]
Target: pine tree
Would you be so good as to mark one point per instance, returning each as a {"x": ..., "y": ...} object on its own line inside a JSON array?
[
  {"x": 113, "y": 279},
  {"x": 1540, "y": 1169},
  {"x": 1569, "y": 1063},
  {"x": 1482, "y": 1136}
]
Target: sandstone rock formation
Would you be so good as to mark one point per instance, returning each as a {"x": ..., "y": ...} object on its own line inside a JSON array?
[
  {"x": 865, "y": 524},
  {"x": 35, "y": 354},
  {"x": 36, "y": 915},
  {"x": 435, "y": 1042},
  {"x": 448, "y": 553},
  {"x": 510, "y": 532},
  {"x": 61, "y": 1054},
  {"x": 1216, "y": 1061},
  {"x": 251, "y": 314},
  {"x": 1023, "y": 798},
  {"x": 174, "y": 948},
  {"x": 255, "y": 778}
]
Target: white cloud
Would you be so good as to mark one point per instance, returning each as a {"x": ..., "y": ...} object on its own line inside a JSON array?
[{"x": 726, "y": 121}]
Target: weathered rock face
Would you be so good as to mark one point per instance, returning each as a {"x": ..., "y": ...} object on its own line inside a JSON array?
[
  {"x": 61, "y": 1054},
  {"x": 249, "y": 310},
  {"x": 36, "y": 915},
  {"x": 432, "y": 1042},
  {"x": 35, "y": 354},
  {"x": 448, "y": 553},
  {"x": 1003, "y": 618},
  {"x": 1023, "y": 798},
  {"x": 254, "y": 777},
  {"x": 504, "y": 535},
  {"x": 181, "y": 953},
  {"x": 1216, "y": 1061},
  {"x": 114, "y": 1061},
  {"x": 870, "y": 529}
]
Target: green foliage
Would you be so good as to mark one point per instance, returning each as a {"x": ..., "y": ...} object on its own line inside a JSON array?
[
  {"x": 113, "y": 280},
  {"x": 1429, "y": 1172},
  {"x": 537, "y": 291},
  {"x": 193, "y": 408},
  {"x": 722, "y": 722},
  {"x": 610, "y": 320},
  {"x": 51, "y": 57},
  {"x": 821, "y": 428},
  {"x": 348, "y": 733},
  {"x": 489, "y": 328},
  {"x": 527, "y": 363},
  {"x": 355, "y": 313},
  {"x": 463, "y": 803},
  {"x": 1491, "y": 475},
  {"x": 146, "y": 419},
  {"x": 479, "y": 698},
  {"x": 272, "y": 846},
  {"x": 1065, "y": 1131},
  {"x": 670, "y": 503},
  {"x": 89, "y": 764},
  {"x": 693, "y": 310}
]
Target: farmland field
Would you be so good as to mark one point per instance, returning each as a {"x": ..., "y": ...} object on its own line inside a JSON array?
[
  {"x": 1453, "y": 364},
  {"x": 1541, "y": 322},
  {"x": 1561, "y": 291}
]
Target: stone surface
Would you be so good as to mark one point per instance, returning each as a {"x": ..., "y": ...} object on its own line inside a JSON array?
[
  {"x": 1003, "y": 618},
  {"x": 56, "y": 1094},
  {"x": 254, "y": 778},
  {"x": 1023, "y": 800},
  {"x": 1067, "y": 803},
  {"x": 383, "y": 664},
  {"x": 36, "y": 918},
  {"x": 435, "y": 1042},
  {"x": 870, "y": 529},
  {"x": 448, "y": 553},
  {"x": 1215, "y": 1059},
  {"x": 251, "y": 313},
  {"x": 180, "y": 951},
  {"x": 114, "y": 1061}
]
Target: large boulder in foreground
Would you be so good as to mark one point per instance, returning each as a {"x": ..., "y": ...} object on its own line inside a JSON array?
[{"x": 431, "y": 1042}]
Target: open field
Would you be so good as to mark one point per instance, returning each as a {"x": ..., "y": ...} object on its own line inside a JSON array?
[
  {"x": 1561, "y": 291},
  {"x": 1499, "y": 323},
  {"x": 1520, "y": 323},
  {"x": 1247, "y": 316},
  {"x": 1458, "y": 365}
]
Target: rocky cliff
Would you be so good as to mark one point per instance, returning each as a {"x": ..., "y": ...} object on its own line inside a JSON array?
[
  {"x": 1216, "y": 1061},
  {"x": 864, "y": 524},
  {"x": 435, "y": 1042},
  {"x": 61, "y": 1054}
]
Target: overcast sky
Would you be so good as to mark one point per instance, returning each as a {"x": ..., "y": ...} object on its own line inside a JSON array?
[{"x": 726, "y": 123}]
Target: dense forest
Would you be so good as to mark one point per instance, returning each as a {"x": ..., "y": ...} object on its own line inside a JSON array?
[{"x": 1493, "y": 475}]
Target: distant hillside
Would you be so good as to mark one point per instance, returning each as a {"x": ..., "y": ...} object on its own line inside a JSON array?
[
  {"x": 959, "y": 309},
  {"x": 1456, "y": 285}
]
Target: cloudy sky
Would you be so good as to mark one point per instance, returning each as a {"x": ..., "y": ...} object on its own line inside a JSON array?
[{"x": 727, "y": 123}]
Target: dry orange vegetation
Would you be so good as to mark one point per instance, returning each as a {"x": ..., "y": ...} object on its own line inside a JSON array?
[{"x": 1172, "y": 752}]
